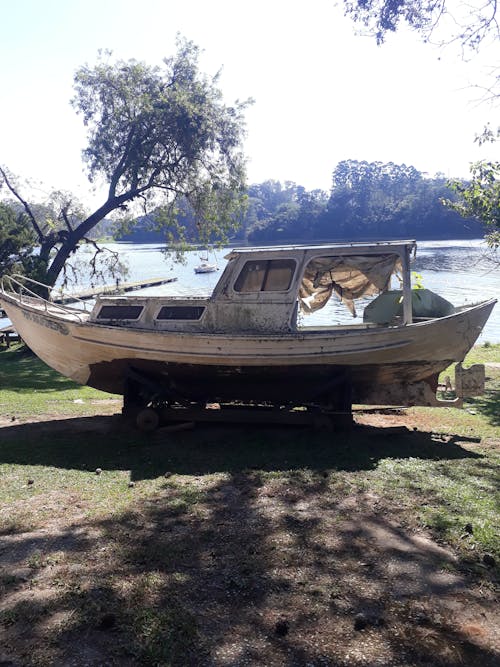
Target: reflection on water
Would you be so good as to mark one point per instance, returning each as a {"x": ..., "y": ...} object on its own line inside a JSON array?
[
  {"x": 460, "y": 271},
  {"x": 452, "y": 258}
]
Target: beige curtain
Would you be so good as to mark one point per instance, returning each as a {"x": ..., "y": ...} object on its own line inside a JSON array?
[{"x": 350, "y": 277}]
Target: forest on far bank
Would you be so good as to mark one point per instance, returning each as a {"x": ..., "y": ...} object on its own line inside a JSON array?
[{"x": 367, "y": 201}]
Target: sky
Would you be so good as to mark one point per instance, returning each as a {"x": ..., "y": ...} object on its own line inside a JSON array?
[{"x": 322, "y": 93}]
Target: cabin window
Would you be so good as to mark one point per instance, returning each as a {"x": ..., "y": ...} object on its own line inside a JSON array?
[
  {"x": 125, "y": 312},
  {"x": 268, "y": 275},
  {"x": 180, "y": 313}
]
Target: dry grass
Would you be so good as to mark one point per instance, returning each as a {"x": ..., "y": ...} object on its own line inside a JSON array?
[{"x": 247, "y": 546}]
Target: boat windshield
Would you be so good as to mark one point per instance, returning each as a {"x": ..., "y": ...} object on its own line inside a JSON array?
[
  {"x": 267, "y": 275},
  {"x": 350, "y": 277}
]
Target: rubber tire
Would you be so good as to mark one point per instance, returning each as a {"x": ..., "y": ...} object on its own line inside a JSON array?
[{"x": 147, "y": 420}]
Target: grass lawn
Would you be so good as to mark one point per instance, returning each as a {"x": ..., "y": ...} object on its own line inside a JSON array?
[{"x": 245, "y": 545}]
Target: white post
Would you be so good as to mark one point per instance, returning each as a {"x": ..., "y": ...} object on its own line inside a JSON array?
[{"x": 407, "y": 305}]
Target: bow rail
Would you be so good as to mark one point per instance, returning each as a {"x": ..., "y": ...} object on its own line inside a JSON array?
[{"x": 15, "y": 284}]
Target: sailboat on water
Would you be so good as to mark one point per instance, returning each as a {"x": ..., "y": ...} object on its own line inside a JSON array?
[{"x": 205, "y": 265}]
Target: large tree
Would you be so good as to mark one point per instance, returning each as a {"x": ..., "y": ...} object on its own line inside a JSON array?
[{"x": 156, "y": 136}]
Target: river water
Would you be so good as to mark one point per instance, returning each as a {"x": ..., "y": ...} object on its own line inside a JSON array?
[{"x": 460, "y": 271}]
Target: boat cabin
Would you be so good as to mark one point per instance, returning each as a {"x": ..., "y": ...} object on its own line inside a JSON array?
[{"x": 263, "y": 289}]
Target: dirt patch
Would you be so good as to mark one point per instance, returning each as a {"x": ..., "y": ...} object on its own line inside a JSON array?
[{"x": 241, "y": 570}]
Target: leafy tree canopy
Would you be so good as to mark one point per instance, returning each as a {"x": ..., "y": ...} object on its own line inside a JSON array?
[
  {"x": 156, "y": 136},
  {"x": 368, "y": 200},
  {"x": 480, "y": 197},
  {"x": 16, "y": 241},
  {"x": 439, "y": 21}
]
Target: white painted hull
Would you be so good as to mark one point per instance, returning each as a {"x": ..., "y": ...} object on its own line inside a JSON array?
[
  {"x": 99, "y": 355},
  {"x": 205, "y": 268}
]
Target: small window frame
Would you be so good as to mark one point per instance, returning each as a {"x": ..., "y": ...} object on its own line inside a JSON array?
[
  {"x": 245, "y": 270},
  {"x": 117, "y": 318},
  {"x": 199, "y": 309}
]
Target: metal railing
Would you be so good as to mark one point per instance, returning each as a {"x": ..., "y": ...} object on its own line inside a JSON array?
[{"x": 12, "y": 284}]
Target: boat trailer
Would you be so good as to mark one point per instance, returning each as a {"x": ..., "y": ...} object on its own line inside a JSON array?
[{"x": 150, "y": 405}]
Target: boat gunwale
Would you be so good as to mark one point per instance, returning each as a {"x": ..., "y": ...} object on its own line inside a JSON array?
[{"x": 67, "y": 316}]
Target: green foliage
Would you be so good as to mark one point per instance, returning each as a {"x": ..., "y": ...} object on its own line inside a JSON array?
[
  {"x": 16, "y": 241},
  {"x": 286, "y": 212},
  {"x": 377, "y": 198},
  {"x": 159, "y": 137},
  {"x": 368, "y": 200},
  {"x": 161, "y": 131},
  {"x": 480, "y": 197},
  {"x": 466, "y": 25},
  {"x": 207, "y": 218},
  {"x": 385, "y": 16}
]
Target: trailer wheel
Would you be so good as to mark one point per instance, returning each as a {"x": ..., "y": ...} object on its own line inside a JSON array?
[{"x": 147, "y": 420}]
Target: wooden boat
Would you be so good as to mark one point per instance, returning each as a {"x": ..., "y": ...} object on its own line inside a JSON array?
[
  {"x": 205, "y": 265},
  {"x": 244, "y": 343}
]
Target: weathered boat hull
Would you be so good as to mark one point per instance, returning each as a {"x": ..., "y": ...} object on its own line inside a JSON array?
[
  {"x": 306, "y": 384},
  {"x": 299, "y": 367}
]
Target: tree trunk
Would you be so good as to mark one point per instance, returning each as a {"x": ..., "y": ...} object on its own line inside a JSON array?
[{"x": 70, "y": 242}]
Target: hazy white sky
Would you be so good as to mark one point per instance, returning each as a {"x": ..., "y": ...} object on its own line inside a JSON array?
[{"x": 322, "y": 94}]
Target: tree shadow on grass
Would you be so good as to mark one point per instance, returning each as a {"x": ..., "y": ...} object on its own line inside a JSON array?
[
  {"x": 22, "y": 371},
  {"x": 107, "y": 443},
  {"x": 247, "y": 571},
  {"x": 488, "y": 405}
]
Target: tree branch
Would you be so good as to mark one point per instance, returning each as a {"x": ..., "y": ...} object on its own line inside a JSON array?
[
  {"x": 64, "y": 214},
  {"x": 120, "y": 167},
  {"x": 25, "y": 204}
]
